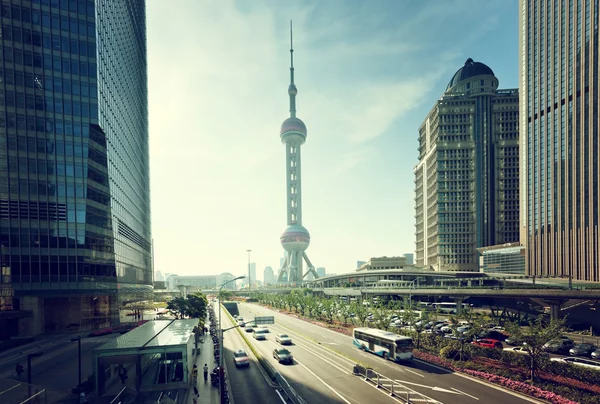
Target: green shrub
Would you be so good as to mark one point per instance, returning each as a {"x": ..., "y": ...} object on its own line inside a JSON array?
[
  {"x": 453, "y": 353},
  {"x": 475, "y": 350}
]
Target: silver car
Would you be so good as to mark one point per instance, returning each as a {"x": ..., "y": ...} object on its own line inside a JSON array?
[
  {"x": 582, "y": 350},
  {"x": 596, "y": 354}
]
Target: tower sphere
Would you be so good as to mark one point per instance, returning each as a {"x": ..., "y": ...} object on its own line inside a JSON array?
[
  {"x": 293, "y": 127},
  {"x": 295, "y": 238}
]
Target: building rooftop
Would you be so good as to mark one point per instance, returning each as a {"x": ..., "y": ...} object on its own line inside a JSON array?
[
  {"x": 154, "y": 333},
  {"x": 470, "y": 69}
]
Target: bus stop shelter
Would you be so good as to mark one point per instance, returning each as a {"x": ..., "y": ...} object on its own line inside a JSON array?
[{"x": 157, "y": 355}]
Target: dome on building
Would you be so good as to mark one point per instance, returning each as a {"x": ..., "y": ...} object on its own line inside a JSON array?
[
  {"x": 293, "y": 125},
  {"x": 470, "y": 69}
]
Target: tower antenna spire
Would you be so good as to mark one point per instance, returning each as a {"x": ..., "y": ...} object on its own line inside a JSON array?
[{"x": 292, "y": 90}]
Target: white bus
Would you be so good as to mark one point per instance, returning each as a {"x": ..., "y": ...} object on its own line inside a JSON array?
[
  {"x": 383, "y": 343},
  {"x": 448, "y": 307}
]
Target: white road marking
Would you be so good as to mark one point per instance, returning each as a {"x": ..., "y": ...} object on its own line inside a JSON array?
[
  {"x": 280, "y": 396},
  {"x": 462, "y": 392},
  {"x": 322, "y": 381},
  {"x": 426, "y": 386}
]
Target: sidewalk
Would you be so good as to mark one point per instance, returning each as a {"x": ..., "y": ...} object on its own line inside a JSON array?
[{"x": 207, "y": 392}]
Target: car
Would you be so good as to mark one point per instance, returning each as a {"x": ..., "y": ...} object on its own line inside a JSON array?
[
  {"x": 512, "y": 341},
  {"x": 595, "y": 354},
  {"x": 240, "y": 358},
  {"x": 249, "y": 329},
  {"x": 558, "y": 346},
  {"x": 283, "y": 339},
  {"x": 250, "y": 324},
  {"x": 259, "y": 334},
  {"x": 283, "y": 355},
  {"x": 517, "y": 349},
  {"x": 239, "y": 319},
  {"x": 588, "y": 363},
  {"x": 242, "y": 324},
  {"x": 264, "y": 327},
  {"x": 488, "y": 343},
  {"x": 582, "y": 350}
]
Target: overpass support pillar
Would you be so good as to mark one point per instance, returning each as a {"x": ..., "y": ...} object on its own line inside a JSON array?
[
  {"x": 554, "y": 311},
  {"x": 459, "y": 308}
]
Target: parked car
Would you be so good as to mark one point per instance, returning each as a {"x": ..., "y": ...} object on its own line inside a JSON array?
[
  {"x": 512, "y": 341},
  {"x": 559, "y": 346},
  {"x": 517, "y": 349},
  {"x": 283, "y": 339},
  {"x": 240, "y": 358},
  {"x": 283, "y": 355},
  {"x": 588, "y": 363},
  {"x": 582, "y": 350},
  {"x": 488, "y": 343}
]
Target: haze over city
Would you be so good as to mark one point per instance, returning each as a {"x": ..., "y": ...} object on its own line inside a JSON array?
[{"x": 367, "y": 75}]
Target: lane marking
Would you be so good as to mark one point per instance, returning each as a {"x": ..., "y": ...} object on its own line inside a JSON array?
[
  {"x": 280, "y": 396},
  {"x": 462, "y": 392},
  {"x": 322, "y": 381},
  {"x": 484, "y": 383},
  {"x": 434, "y": 388}
]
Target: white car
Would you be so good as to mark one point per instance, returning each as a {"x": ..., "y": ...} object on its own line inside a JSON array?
[
  {"x": 264, "y": 328},
  {"x": 259, "y": 334},
  {"x": 283, "y": 339},
  {"x": 516, "y": 349},
  {"x": 588, "y": 363}
]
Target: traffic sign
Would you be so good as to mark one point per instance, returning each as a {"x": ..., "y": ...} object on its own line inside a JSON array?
[{"x": 264, "y": 320}]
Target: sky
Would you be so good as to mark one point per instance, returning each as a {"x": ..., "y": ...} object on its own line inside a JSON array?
[{"x": 367, "y": 74}]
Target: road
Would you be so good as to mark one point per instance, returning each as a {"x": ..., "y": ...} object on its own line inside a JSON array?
[
  {"x": 324, "y": 359},
  {"x": 248, "y": 385}
]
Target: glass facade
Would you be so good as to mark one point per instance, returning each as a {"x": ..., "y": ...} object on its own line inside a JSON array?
[
  {"x": 75, "y": 224},
  {"x": 467, "y": 178},
  {"x": 559, "y": 139}
]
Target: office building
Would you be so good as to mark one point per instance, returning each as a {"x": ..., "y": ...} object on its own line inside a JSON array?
[
  {"x": 268, "y": 276},
  {"x": 196, "y": 283},
  {"x": 466, "y": 180},
  {"x": 360, "y": 264},
  {"x": 503, "y": 259},
  {"x": 559, "y": 138},
  {"x": 252, "y": 274},
  {"x": 410, "y": 258},
  {"x": 321, "y": 272},
  {"x": 75, "y": 231}
]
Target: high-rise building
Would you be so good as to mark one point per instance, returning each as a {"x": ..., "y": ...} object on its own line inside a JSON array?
[
  {"x": 410, "y": 258},
  {"x": 559, "y": 137},
  {"x": 75, "y": 233},
  {"x": 321, "y": 272},
  {"x": 268, "y": 276},
  {"x": 467, "y": 187},
  {"x": 360, "y": 264},
  {"x": 252, "y": 270}
]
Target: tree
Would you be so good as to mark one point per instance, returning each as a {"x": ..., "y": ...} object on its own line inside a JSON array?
[
  {"x": 534, "y": 337},
  {"x": 224, "y": 295},
  {"x": 360, "y": 312},
  {"x": 177, "y": 306}
]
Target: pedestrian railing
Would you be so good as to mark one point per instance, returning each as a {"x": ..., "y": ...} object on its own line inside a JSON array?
[{"x": 394, "y": 388}]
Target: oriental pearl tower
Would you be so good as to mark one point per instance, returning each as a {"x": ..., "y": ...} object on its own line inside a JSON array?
[{"x": 295, "y": 239}]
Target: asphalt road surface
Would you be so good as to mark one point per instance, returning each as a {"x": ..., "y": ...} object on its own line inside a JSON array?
[
  {"x": 248, "y": 384},
  {"x": 324, "y": 359}
]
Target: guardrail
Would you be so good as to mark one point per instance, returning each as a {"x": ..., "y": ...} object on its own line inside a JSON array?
[{"x": 395, "y": 389}]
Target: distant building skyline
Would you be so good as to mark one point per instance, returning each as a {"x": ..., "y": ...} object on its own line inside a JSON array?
[
  {"x": 321, "y": 272},
  {"x": 410, "y": 258},
  {"x": 268, "y": 276},
  {"x": 467, "y": 177}
]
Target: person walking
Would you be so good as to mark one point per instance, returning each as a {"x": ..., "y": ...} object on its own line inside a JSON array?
[
  {"x": 205, "y": 372},
  {"x": 18, "y": 370},
  {"x": 195, "y": 374},
  {"x": 123, "y": 374}
]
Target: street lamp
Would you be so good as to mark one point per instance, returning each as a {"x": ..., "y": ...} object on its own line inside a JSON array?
[
  {"x": 78, "y": 339},
  {"x": 221, "y": 372},
  {"x": 249, "y": 277}
]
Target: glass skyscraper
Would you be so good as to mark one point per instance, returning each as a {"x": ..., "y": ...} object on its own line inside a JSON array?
[
  {"x": 559, "y": 137},
  {"x": 467, "y": 177},
  {"x": 75, "y": 230}
]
